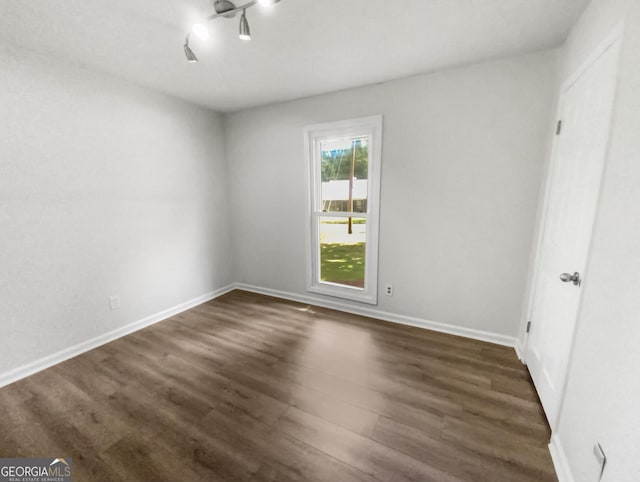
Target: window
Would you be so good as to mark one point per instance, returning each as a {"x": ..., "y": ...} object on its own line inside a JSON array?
[{"x": 344, "y": 189}]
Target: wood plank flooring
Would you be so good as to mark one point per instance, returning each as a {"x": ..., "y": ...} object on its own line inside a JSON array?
[{"x": 252, "y": 388}]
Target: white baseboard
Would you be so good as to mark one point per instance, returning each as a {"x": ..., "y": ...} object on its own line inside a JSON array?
[
  {"x": 520, "y": 351},
  {"x": 58, "y": 357},
  {"x": 383, "y": 315},
  {"x": 560, "y": 462}
]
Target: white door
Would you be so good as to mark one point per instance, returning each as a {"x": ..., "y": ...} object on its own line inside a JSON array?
[{"x": 586, "y": 106}]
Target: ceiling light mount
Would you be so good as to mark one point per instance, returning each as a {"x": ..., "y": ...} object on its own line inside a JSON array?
[{"x": 226, "y": 9}]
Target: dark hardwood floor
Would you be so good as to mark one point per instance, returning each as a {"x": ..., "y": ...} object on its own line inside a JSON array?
[{"x": 252, "y": 388}]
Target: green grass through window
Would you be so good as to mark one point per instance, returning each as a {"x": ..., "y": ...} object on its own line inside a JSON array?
[{"x": 343, "y": 263}]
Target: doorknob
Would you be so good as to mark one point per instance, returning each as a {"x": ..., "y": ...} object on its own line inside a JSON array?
[{"x": 573, "y": 278}]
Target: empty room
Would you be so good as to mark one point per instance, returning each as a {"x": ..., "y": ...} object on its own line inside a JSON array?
[{"x": 320, "y": 240}]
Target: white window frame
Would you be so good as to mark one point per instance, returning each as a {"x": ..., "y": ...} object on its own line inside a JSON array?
[{"x": 313, "y": 136}]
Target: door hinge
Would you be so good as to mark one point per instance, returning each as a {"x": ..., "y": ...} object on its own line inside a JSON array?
[
  {"x": 559, "y": 128},
  {"x": 528, "y": 326}
]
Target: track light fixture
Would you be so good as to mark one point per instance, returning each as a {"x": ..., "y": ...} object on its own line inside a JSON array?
[
  {"x": 245, "y": 31},
  {"x": 224, "y": 9},
  {"x": 191, "y": 57}
]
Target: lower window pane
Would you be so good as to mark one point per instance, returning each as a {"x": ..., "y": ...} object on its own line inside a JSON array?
[{"x": 342, "y": 251}]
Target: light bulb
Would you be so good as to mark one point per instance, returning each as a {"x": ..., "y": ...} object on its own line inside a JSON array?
[{"x": 200, "y": 31}]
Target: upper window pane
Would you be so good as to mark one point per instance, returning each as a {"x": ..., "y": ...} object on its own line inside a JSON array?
[{"x": 345, "y": 168}]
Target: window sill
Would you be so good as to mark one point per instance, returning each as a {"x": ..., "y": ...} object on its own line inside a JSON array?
[{"x": 344, "y": 292}]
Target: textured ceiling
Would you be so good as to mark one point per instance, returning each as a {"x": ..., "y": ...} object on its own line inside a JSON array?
[{"x": 299, "y": 47}]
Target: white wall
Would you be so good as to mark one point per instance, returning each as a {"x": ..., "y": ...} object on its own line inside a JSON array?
[
  {"x": 105, "y": 188},
  {"x": 602, "y": 400},
  {"x": 463, "y": 152}
]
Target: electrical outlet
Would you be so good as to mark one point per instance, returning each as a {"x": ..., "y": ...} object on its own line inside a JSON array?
[
  {"x": 388, "y": 290},
  {"x": 114, "y": 302}
]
